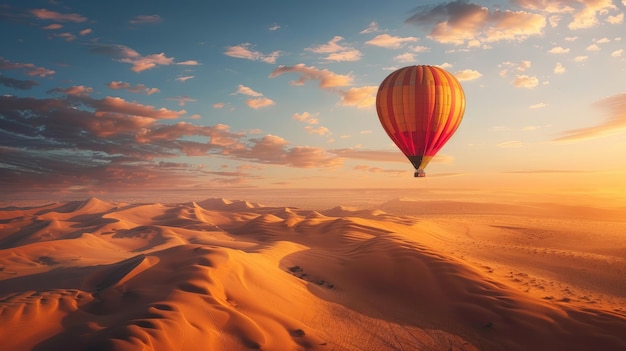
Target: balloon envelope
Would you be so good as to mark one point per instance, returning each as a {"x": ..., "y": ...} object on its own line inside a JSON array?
[{"x": 420, "y": 108}]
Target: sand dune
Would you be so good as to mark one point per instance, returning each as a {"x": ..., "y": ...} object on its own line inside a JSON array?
[{"x": 224, "y": 274}]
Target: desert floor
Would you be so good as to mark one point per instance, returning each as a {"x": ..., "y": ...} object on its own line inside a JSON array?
[{"x": 403, "y": 274}]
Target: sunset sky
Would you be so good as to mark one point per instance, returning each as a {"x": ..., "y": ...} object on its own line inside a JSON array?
[{"x": 112, "y": 96}]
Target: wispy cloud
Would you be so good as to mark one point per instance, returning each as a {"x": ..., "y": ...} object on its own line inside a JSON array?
[
  {"x": 242, "y": 89},
  {"x": 17, "y": 83},
  {"x": 615, "y": 121},
  {"x": 244, "y": 51},
  {"x": 326, "y": 78},
  {"x": 259, "y": 101},
  {"x": 44, "y": 14},
  {"x": 139, "y": 88},
  {"x": 139, "y": 62},
  {"x": 390, "y": 42},
  {"x": 184, "y": 78},
  {"x": 76, "y": 90},
  {"x": 182, "y": 100},
  {"x": 28, "y": 68},
  {"x": 143, "y": 19},
  {"x": 371, "y": 28},
  {"x": 305, "y": 117},
  {"x": 335, "y": 51}
]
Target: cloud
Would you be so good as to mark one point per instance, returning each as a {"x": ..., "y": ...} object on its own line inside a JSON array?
[
  {"x": 77, "y": 90},
  {"x": 407, "y": 57},
  {"x": 615, "y": 121},
  {"x": 305, "y": 117},
  {"x": 260, "y": 102},
  {"x": 182, "y": 100},
  {"x": 66, "y": 36},
  {"x": 139, "y": 63},
  {"x": 321, "y": 130},
  {"x": 371, "y": 28},
  {"x": 272, "y": 149},
  {"x": 85, "y": 31},
  {"x": 617, "y": 53},
  {"x": 44, "y": 14},
  {"x": 538, "y": 105},
  {"x": 242, "y": 89},
  {"x": 17, "y": 83},
  {"x": 142, "y": 19},
  {"x": 184, "y": 78},
  {"x": 243, "y": 51},
  {"x": 362, "y": 97},
  {"x": 467, "y": 75},
  {"x": 28, "y": 68},
  {"x": 335, "y": 51},
  {"x": 458, "y": 22},
  {"x": 559, "y": 68},
  {"x": 524, "y": 81},
  {"x": 274, "y": 27},
  {"x": 558, "y": 50},
  {"x": 390, "y": 42},
  {"x": 326, "y": 78},
  {"x": 218, "y": 105},
  {"x": 53, "y": 26},
  {"x": 139, "y": 88}
]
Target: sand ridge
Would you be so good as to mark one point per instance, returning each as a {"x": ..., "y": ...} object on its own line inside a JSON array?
[{"x": 236, "y": 275}]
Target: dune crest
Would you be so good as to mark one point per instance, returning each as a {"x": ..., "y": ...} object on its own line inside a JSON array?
[{"x": 236, "y": 275}]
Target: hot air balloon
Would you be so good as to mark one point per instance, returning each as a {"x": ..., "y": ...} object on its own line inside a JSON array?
[{"x": 420, "y": 108}]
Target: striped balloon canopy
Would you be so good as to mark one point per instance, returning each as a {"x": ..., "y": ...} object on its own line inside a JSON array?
[{"x": 420, "y": 108}]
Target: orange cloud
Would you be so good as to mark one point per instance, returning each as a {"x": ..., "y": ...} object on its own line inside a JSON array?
[
  {"x": 182, "y": 100},
  {"x": 139, "y": 88},
  {"x": 458, "y": 22},
  {"x": 119, "y": 105},
  {"x": 362, "y": 97},
  {"x": 615, "y": 107},
  {"x": 76, "y": 90},
  {"x": 139, "y": 63},
  {"x": 260, "y": 102},
  {"x": 243, "y": 51},
  {"x": 390, "y": 42},
  {"x": 326, "y": 78},
  {"x": 56, "y": 16}
]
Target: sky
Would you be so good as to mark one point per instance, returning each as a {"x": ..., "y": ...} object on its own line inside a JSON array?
[{"x": 111, "y": 97}]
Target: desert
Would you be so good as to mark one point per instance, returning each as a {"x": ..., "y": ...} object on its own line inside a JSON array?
[{"x": 222, "y": 274}]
